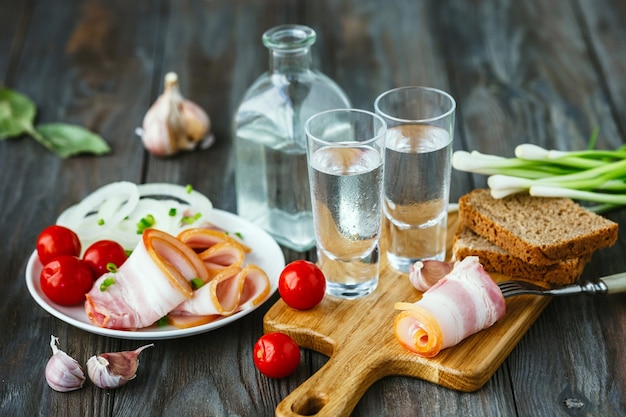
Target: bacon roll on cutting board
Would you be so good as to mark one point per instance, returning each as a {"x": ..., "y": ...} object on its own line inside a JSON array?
[{"x": 462, "y": 303}]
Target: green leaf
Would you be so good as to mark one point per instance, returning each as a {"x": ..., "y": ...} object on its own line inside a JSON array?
[
  {"x": 17, "y": 113},
  {"x": 66, "y": 140}
]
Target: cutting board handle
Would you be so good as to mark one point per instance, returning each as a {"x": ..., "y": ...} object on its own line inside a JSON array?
[{"x": 336, "y": 388}]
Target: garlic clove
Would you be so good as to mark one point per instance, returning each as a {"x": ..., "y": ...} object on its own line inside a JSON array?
[
  {"x": 425, "y": 274},
  {"x": 63, "y": 373},
  {"x": 196, "y": 121},
  {"x": 155, "y": 134},
  {"x": 112, "y": 370},
  {"x": 174, "y": 124}
]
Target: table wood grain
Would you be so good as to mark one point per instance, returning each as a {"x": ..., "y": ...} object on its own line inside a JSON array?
[{"x": 546, "y": 72}]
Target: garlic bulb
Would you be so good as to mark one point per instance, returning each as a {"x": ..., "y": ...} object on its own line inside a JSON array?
[
  {"x": 112, "y": 370},
  {"x": 174, "y": 123},
  {"x": 63, "y": 372}
]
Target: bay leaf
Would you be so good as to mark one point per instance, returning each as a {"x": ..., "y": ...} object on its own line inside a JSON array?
[
  {"x": 17, "y": 113},
  {"x": 67, "y": 140}
]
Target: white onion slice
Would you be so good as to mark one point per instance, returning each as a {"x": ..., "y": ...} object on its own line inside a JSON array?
[
  {"x": 195, "y": 199},
  {"x": 124, "y": 196},
  {"x": 114, "y": 211}
]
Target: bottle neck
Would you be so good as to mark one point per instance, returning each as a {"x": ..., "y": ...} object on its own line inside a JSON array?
[{"x": 290, "y": 61}]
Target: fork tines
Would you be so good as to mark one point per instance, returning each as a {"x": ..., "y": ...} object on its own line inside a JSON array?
[{"x": 512, "y": 288}]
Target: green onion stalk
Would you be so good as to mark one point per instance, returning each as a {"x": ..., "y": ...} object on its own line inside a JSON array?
[{"x": 596, "y": 176}]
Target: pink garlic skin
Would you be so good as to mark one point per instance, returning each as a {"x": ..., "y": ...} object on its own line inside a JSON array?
[
  {"x": 425, "y": 274},
  {"x": 63, "y": 373},
  {"x": 112, "y": 370}
]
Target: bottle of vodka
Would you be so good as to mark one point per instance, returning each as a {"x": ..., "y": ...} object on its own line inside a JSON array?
[{"x": 270, "y": 147}]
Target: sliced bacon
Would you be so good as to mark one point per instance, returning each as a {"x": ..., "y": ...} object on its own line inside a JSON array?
[
  {"x": 221, "y": 256},
  {"x": 153, "y": 280},
  {"x": 256, "y": 287},
  {"x": 185, "y": 322},
  {"x": 232, "y": 290},
  {"x": 201, "y": 239},
  {"x": 462, "y": 303}
]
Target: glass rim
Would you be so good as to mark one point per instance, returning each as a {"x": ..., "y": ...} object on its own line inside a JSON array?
[
  {"x": 445, "y": 114},
  {"x": 379, "y": 133}
]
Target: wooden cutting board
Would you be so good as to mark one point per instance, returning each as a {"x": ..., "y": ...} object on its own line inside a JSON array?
[{"x": 358, "y": 338}]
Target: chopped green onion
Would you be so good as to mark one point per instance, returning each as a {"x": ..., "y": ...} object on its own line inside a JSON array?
[
  {"x": 163, "y": 321},
  {"x": 172, "y": 212},
  {"x": 191, "y": 219},
  {"x": 100, "y": 222},
  {"x": 188, "y": 188},
  {"x": 111, "y": 267},
  {"x": 196, "y": 283},
  {"x": 145, "y": 223},
  {"x": 238, "y": 234},
  {"x": 107, "y": 283}
]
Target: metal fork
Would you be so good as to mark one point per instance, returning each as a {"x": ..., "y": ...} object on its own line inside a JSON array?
[{"x": 611, "y": 284}]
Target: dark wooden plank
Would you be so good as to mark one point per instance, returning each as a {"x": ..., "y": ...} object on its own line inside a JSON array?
[
  {"x": 524, "y": 73},
  {"x": 12, "y": 25},
  {"x": 602, "y": 28},
  {"x": 79, "y": 65},
  {"x": 605, "y": 35},
  {"x": 520, "y": 71}
]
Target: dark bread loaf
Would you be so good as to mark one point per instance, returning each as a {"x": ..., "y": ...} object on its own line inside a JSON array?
[
  {"x": 538, "y": 230},
  {"x": 496, "y": 259}
]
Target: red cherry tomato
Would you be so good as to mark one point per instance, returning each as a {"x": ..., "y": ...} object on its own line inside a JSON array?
[
  {"x": 302, "y": 285},
  {"x": 276, "y": 355},
  {"x": 55, "y": 241},
  {"x": 66, "y": 279},
  {"x": 103, "y": 252}
]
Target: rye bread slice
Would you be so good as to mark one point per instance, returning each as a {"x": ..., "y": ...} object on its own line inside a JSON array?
[
  {"x": 495, "y": 259},
  {"x": 538, "y": 230}
]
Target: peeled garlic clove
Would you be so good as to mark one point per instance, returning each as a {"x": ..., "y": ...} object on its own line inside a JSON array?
[
  {"x": 63, "y": 373},
  {"x": 425, "y": 274},
  {"x": 174, "y": 123},
  {"x": 112, "y": 370}
]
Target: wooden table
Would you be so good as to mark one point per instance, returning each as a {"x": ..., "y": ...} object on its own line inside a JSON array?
[{"x": 546, "y": 72}]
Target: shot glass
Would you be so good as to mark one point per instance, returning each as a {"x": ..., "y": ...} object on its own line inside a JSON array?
[
  {"x": 420, "y": 128},
  {"x": 345, "y": 154}
]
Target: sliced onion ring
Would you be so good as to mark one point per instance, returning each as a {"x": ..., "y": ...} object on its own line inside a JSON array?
[
  {"x": 197, "y": 200},
  {"x": 113, "y": 211},
  {"x": 124, "y": 192}
]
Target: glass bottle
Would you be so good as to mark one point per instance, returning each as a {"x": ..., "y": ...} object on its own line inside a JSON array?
[{"x": 271, "y": 168}]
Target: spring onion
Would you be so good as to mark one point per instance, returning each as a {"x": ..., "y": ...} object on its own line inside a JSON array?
[
  {"x": 191, "y": 219},
  {"x": 106, "y": 283},
  {"x": 196, "y": 283},
  {"x": 144, "y": 223},
  {"x": 163, "y": 321},
  {"x": 590, "y": 175}
]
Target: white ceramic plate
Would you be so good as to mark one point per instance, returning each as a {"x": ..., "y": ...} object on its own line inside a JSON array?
[{"x": 265, "y": 253}]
